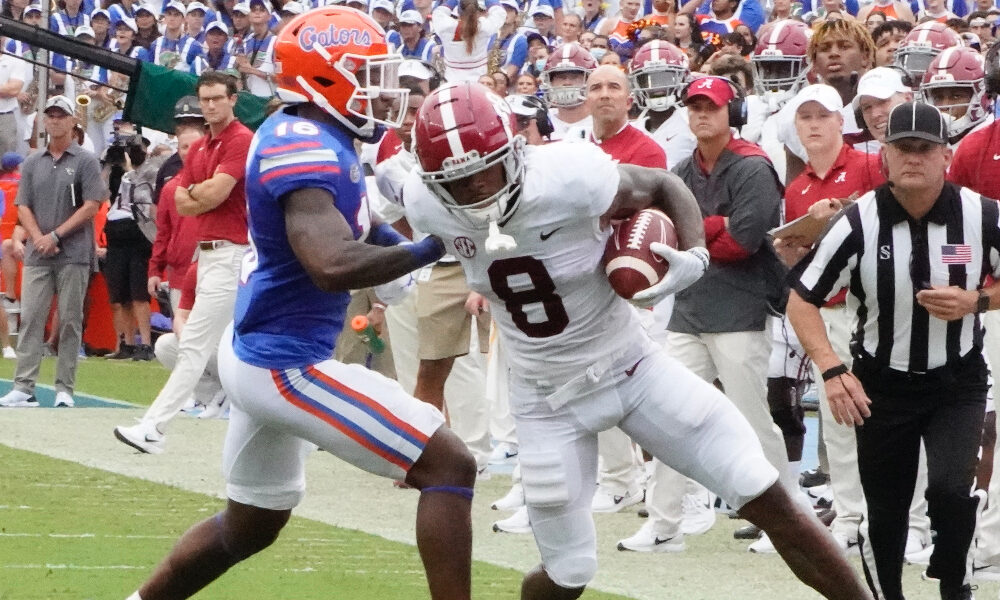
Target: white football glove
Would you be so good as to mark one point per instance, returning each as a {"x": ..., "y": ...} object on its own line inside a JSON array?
[
  {"x": 395, "y": 291},
  {"x": 686, "y": 268}
]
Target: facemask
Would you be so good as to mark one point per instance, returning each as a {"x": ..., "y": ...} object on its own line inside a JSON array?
[
  {"x": 598, "y": 53},
  {"x": 540, "y": 64}
]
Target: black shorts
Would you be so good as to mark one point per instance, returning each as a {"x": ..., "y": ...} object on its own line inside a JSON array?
[{"x": 126, "y": 267}]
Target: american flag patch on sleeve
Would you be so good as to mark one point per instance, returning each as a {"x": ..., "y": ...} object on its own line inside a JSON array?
[{"x": 956, "y": 254}]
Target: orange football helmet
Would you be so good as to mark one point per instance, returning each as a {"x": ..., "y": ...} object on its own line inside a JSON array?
[{"x": 337, "y": 58}]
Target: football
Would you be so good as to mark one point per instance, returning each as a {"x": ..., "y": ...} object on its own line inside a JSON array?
[{"x": 628, "y": 262}]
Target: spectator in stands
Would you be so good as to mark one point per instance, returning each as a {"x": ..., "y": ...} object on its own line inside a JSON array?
[
  {"x": 593, "y": 15},
  {"x": 383, "y": 11},
  {"x": 175, "y": 49},
  {"x": 125, "y": 40},
  {"x": 14, "y": 9},
  {"x": 194, "y": 21},
  {"x": 512, "y": 43},
  {"x": 145, "y": 21},
  {"x": 688, "y": 37},
  {"x": 60, "y": 191},
  {"x": 487, "y": 81},
  {"x": 543, "y": 18},
  {"x": 780, "y": 10},
  {"x": 217, "y": 57},
  {"x": 100, "y": 22},
  {"x": 210, "y": 187},
  {"x": 465, "y": 40},
  {"x": 501, "y": 83},
  {"x": 415, "y": 43},
  {"x": 572, "y": 27},
  {"x": 599, "y": 47},
  {"x": 288, "y": 11},
  {"x": 586, "y": 39},
  {"x": 875, "y": 18},
  {"x": 256, "y": 61},
  {"x": 527, "y": 84},
  {"x": 538, "y": 55},
  {"x": 14, "y": 74},
  {"x": 892, "y": 9},
  {"x": 241, "y": 29},
  {"x": 69, "y": 16}
]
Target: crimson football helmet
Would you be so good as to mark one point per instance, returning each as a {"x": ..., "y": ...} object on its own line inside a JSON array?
[
  {"x": 570, "y": 59},
  {"x": 337, "y": 58},
  {"x": 921, "y": 45},
  {"x": 657, "y": 72},
  {"x": 779, "y": 62},
  {"x": 463, "y": 129},
  {"x": 952, "y": 70}
]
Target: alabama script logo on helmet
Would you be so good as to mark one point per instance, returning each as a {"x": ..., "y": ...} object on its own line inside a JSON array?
[{"x": 332, "y": 36}]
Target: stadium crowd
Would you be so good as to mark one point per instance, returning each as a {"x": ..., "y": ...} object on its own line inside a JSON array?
[{"x": 808, "y": 89}]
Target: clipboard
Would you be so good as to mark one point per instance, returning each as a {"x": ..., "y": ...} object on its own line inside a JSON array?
[{"x": 807, "y": 227}]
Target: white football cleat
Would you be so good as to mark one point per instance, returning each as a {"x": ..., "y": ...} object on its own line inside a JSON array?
[
  {"x": 64, "y": 399},
  {"x": 504, "y": 453},
  {"x": 516, "y": 523},
  {"x": 606, "y": 501},
  {"x": 699, "y": 512},
  {"x": 763, "y": 546},
  {"x": 513, "y": 500},
  {"x": 647, "y": 540}
]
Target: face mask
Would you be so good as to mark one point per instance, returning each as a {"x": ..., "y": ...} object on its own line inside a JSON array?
[
  {"x": 540, "y": 64},
  {"x": 598, "y": 53}
]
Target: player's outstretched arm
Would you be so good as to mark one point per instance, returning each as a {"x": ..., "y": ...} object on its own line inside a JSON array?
[
  {"x": 325, "y": 246},
  {"x": 642, "y": 187}
]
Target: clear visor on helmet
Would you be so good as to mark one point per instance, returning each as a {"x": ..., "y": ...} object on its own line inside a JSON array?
[
  {"x": 498, "y": 205},
  {"x": 564, "y": 87},
  {"x": 377, "y": 97},
  {"x": 960, "y": 102},
  {"x": 657, "y": 88},
  {"x": 915, "y": 60}
]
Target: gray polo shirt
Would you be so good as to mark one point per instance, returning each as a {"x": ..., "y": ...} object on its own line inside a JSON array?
[{"x": 54, "y": 190}]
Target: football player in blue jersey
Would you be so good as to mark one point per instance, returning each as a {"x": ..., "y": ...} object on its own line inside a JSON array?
[{"x": 312, "y": 240}]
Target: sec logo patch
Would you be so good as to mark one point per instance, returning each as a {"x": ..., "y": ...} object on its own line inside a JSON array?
[
  {"x": 465, "y": 247},
  {"x": 355, "y": 173}
]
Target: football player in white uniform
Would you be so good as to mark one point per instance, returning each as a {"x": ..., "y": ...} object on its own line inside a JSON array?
[
  {"x": 529, "y": 225},
  {"x": 657, "y": 73}
]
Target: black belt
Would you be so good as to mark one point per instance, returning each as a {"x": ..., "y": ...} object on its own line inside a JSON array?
[
  {"x": 213, "y": 244},
  {"x": 444, "y": 263},
  {"x": 9, "y": 112}
]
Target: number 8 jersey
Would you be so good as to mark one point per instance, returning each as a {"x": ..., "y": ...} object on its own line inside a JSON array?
[{"x": 550, "y": 298}]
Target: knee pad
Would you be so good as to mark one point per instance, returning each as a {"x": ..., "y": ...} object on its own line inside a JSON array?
[
  {"x": 567, "y": 543},
  {"x": 543, "y": 476}
]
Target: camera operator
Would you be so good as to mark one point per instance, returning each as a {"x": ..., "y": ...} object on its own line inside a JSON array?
[{"x": 131, "y": 180}]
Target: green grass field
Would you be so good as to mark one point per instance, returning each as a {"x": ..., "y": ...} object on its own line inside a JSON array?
[{"x": 74, "y": 531}]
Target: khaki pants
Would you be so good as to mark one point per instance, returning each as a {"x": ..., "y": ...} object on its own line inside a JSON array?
[
  {"x": 218, "y": 276},
  {"x": 38, "y": 284}
]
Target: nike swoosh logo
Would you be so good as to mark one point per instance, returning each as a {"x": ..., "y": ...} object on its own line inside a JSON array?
[
  {"x": 629, "y": 373},
  {"x": 546, "y": 236},
  {"x": 996, "y": 157},
  {"x": 657, "y": 541}
]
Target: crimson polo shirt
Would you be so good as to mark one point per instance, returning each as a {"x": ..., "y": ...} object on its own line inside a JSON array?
[
  {"x": 852, "y": 172},
  {"x": 224, "y": 153},
  {"x": 632, "y": 146},
  {"x": 976, "y": 164}
]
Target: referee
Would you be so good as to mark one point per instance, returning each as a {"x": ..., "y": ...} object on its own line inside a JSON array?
[{"x": 913, "y": 254}]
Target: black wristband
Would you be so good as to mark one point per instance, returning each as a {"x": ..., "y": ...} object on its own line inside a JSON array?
[{"x": 837, "y": 371}]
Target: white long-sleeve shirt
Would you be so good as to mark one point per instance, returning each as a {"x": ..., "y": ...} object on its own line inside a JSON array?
[{"x": 460, "y": 64}]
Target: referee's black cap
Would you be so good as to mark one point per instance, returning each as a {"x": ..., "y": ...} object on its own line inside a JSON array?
[{"x": 916, "y": 120}]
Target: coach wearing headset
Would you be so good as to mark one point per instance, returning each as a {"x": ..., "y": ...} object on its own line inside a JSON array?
[
  {"x": 718, "y": 324},
  {"x": 913, "y": 254}
]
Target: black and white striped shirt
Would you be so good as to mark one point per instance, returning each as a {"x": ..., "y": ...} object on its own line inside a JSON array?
[{"x": 885, "y": 257}]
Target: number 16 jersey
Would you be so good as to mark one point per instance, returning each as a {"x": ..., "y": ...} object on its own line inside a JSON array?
[{"x": 550, "y": 298}]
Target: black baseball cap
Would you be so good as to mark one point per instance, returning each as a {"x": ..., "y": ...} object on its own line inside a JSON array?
[
  {"x": 916, "y": 120},
  {"x": 188, "y": 108}
]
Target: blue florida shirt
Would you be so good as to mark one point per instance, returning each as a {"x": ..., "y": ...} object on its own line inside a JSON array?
[{"x": 282, "y": 320}]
